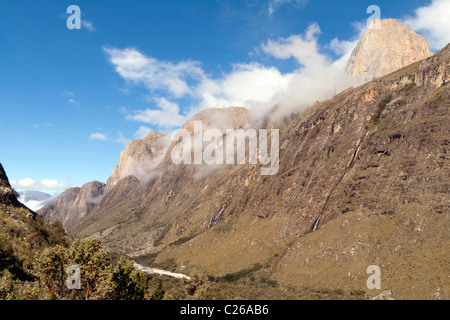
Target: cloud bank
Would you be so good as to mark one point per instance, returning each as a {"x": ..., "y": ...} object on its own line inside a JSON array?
[
  {"x": 433, "y": 21},
  {"x": 252, "y": 85},
  {"x": 45, "y": 184},
  {"x": 178, "y": 90},
  {"x": 34, "y": 204}
]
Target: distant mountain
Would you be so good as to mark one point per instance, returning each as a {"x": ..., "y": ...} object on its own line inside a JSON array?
[
  {"x": 33, "y": 195},
  {"x": 34, "y": 200},
  {"x": 73, "y": 204},
  {"x": 139, "y": 158},
  {"x": 385, "y": 47}
]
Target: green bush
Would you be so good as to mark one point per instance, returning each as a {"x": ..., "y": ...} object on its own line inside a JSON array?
[{"x": 100, "y": 280}]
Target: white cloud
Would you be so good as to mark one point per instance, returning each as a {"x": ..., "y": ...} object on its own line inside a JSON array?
[
  {"x": 342, "y": 47},
  {"x": 67, "y": 93},
  {"x": 251, "y": 85},
  {"x": 318, "y": 76},
  {"x": 156, "y": 75},
  {"x": 248, "y": 85},
  {"x": 304, "y": 48},
  {"x": 70, "y": 95},
  {"x": 433, "y": 21},
  {"x": 45, "y": 184},
  {"x": 142, "y": 132},
  {"x": 88, "y": 25},
  {"x": 168, "y": 115},
  {"x": 47, "y": 125},
  {"x": 274, "y": 5},
  {"x": 34, "y": 204},
  {"x": 121, "y": 139},
  {"x": 98, "y": 136}
]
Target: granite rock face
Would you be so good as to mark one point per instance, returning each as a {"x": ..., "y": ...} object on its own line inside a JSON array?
[
  {"x": 139, "y": 158},
  {"x": 74, "y": 204},
  {"x": 387, "y": 46},
  {"x": 142, "y": 156}
]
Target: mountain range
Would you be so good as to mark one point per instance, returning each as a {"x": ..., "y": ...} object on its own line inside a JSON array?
[{"x": 363, "y": 180}]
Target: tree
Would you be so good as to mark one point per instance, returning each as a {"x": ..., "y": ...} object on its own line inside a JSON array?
[
  {"x": 159, "y": 292},
  {"x": 128, "y": 283},
  {"x": 99, "y": 279},
  {"x": 50, "y": 266},
  {"x": 197, "y": 286},
  {"x": 93, "y": 261},
  {"x": 95, "y": 266}
]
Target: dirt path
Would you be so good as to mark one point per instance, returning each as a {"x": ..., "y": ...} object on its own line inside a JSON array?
[{"x": 160, "y": 272}]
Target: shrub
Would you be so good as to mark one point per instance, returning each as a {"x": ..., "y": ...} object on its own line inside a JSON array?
[
  {"x": 127, "y": 283},
  {"x": 197, "y": 286}
]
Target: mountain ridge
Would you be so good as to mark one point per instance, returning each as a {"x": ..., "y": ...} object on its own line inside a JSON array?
[{"x": 375, "y": 155}]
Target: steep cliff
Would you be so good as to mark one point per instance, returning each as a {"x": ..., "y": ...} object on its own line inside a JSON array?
[
  {"x": 139, "y": 158},
  {"x": 386, "y": 46},
  {"x": 73, "y": 204}
]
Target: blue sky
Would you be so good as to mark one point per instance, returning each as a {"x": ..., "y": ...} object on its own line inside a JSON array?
[{"x": 70, "y": 100}]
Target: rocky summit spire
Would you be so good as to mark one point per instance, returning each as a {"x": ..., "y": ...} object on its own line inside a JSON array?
[{"x": 387, "y": 46}]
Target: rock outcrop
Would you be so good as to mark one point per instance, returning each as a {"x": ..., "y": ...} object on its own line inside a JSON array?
[
  {"x": 139, "y": 158},
  {"x": 8, "y": 196},
  {"x": 73, "y": 204},
  {"x": 387, "y": 46},
  {"x": 142, "y": 156}
]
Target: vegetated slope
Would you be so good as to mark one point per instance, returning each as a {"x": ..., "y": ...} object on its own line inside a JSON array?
[
  {"x": 8, "y": 196},
  {"x": 22, "y": 234},
  {"x": 367, "y": 169}
]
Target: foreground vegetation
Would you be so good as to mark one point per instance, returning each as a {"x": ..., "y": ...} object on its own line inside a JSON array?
[{"x": 39, "y": 262}]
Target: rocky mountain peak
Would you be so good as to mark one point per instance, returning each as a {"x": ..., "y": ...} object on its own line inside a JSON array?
[
  {"x": 386, "y": 46},
  {"x": 74, "y": 204},
  {"x": 139, "y": 158},
  {"x": 222, "y": 119}
]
